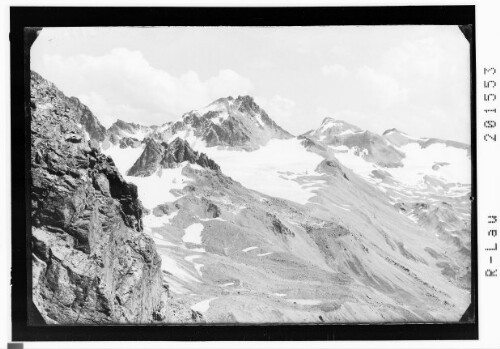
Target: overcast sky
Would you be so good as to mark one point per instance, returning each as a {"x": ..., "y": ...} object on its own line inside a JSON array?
[{"x": 414, "y": 78}]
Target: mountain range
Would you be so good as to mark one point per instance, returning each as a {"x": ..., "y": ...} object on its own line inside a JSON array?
[{"x": 251, "y": 223}]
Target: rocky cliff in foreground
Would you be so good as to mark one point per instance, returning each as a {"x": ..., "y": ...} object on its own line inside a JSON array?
[{"x": 91, "y": 263}]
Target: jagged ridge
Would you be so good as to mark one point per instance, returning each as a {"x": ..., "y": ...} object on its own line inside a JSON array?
[{"x": 162, "y": 155}]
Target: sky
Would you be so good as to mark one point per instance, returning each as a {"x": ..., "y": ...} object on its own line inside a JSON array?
[{"x": 413, "y": 78}]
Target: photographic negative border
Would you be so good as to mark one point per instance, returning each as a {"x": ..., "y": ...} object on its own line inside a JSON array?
[{"x": 32, "y": 17}]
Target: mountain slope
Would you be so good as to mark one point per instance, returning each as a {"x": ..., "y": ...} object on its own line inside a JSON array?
[
  {"x": 341, "y": 254},
  {"x": 295, "y": 232}
]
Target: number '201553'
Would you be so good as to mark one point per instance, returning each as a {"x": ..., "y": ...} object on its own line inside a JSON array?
[{"x": 489, "y": 98}]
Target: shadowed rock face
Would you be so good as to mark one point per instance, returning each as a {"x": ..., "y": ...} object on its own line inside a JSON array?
[
  {"x": 91, "y": 262},
  {"x": 156, "y": 156}
]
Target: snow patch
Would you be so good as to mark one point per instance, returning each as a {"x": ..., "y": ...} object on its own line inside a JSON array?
[
  {"x": 197, "y": 266},
  {"x": 193, "y": 233},
  {"x": 203, "y": 306},
  {"x": 155, "y": 189},
  {"x": 343, "y": 208},
  {"x": 212, "y": 219},
  {"x": 123, "y": 158},
  {"x": 249, "y": 248},
  {"x": 170, "y": 265}
]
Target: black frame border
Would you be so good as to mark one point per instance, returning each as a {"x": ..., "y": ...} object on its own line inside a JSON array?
[{"x": 21, "y": 17}]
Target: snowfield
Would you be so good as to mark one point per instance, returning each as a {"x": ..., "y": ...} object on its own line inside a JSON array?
[
  {"x": 417, "y": 163},
  {"x": 203, "y": 306},
  {"x": 259, "y": 169},
  {"x": 123, "y": 158},
  {"x": 155, "y": 189}
]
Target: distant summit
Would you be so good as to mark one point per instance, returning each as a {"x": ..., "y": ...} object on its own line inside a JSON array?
[
  {"x": 399, "y": 139},
  {"x": 234, "y": 122},
  {"x": 371, "y": 146},
  {"x": 227, "y": 121},
  {"x": 331, "y": 127},
  {"x": 128, "y": 133}
]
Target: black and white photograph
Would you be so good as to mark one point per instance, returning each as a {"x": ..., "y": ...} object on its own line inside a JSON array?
[{"x": 251, "y": 175}]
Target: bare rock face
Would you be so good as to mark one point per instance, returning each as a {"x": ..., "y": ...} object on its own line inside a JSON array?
[
  {"x": 91, "y": 262},
  {"x": 156, "y": 156}
]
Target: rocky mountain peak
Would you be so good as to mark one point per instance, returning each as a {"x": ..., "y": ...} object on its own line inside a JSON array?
[
  {"x": 120, "y": 123},
  {"x": 333, "y": 126},
  {"x": 179, "y": 144},
  {"x": 247, "y": 103},
  {"x": 158, "y": 155},
  {"x": 227, "y": 121}
]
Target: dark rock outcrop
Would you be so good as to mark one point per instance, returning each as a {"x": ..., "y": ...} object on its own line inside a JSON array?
[
  {"x": 156, "y": 156},
  {"x": 91, "y": 263},
  {"x": 278, "y": 227}
]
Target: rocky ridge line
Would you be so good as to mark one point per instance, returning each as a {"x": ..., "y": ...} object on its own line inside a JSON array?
[{"x": 162, "y": 155}]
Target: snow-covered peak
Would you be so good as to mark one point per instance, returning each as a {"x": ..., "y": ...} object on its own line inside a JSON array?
[
  {"x": 228, "y": 121},
  {"x": 217, "y": 111},
  {"x": 371, "y": 146},
  {"x": 333, "y": 126}
]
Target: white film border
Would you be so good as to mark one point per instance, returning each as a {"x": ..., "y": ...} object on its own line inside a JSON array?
[{"x": 487, "y": 46}]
